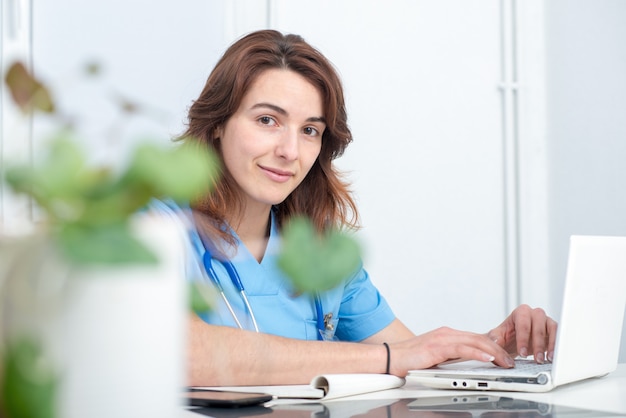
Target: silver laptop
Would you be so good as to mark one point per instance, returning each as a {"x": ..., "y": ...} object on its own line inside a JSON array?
[{"x": 588, "y": 337}]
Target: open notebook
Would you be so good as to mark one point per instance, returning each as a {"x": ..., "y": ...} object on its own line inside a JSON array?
[
  {"x": 589, "y": 333},
  {"x": 322, "y": 387}
]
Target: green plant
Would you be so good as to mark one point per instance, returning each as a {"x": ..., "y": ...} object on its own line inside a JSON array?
[
  {"x": 87, "y": 209},
  {"x": 317, "y": 262},
  {"x": 29, "y": 382}
]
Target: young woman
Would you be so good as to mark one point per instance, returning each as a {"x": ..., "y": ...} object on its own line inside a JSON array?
[{"x": 273, "y": 111}]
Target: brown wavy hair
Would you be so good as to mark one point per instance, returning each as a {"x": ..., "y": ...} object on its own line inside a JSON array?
[{"x": 323, "y": 196}]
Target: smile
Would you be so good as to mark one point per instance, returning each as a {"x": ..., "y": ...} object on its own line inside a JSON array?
[{"x": 276, "y": 175}]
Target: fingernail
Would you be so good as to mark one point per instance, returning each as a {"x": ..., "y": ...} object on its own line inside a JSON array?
[
  {"x": 550, "y": 356},
  {"x": 488, "y": 357},
  {"x": 540, "y": 357},
  {"x": 509, "y": 361},
  {"x": 523, "y": 352}
]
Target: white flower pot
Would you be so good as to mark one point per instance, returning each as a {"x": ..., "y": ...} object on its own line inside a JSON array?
[{"x": 115, "y": 336}]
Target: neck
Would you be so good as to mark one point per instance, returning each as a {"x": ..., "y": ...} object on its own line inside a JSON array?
[{"x": 253, "y": 230}]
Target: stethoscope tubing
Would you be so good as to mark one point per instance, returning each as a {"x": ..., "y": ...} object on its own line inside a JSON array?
[
  {"x": 234, "y": 277},
  {"x": 213, "y": 277},
  {"x": 207, "y": 261},
  {"x": 319, "y": 314}
]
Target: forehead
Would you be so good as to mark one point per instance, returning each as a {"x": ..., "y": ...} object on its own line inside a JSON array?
[{"x": 284, "y": 87}]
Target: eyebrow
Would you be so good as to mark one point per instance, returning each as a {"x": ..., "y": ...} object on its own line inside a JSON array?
[{"x": 282, "y": 111}]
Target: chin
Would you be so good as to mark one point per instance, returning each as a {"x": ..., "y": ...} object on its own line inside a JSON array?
[{"x": 271, "y": 200}]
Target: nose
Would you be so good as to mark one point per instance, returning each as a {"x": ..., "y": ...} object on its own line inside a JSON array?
[{"x": 287, "y": 146}]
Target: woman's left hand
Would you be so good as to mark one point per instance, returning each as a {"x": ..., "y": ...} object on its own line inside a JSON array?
[{"x": 527, "y": 331}]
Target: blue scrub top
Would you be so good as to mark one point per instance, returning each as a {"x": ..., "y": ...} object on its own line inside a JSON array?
[{"x": 358, "y": 309}]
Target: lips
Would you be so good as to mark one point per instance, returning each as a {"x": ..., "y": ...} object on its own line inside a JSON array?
[{"x": 276, "y": 174}]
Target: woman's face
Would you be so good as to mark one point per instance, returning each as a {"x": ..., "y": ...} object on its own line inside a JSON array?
[{"x": 271, "y": 142}]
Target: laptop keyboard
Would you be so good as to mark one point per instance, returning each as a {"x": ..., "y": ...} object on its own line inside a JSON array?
[
  {"x": 522, "y": 367},
  {"x": 530, "y": 366}
]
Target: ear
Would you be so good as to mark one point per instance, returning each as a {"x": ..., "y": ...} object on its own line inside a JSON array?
[{"x": 218, "y": 132}]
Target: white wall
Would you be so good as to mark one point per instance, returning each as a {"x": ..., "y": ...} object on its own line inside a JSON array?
[
  {"x": 15, "y": 129},
  {"x": 430, "y": 163},
  {"x": 586, "y": 56},
  {"x": 156, "y": 54},
  {"x": 421, "y": 79}
]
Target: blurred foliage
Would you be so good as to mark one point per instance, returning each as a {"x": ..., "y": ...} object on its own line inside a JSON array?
[
  {"x": 202, "y": 297},
  {"x": 317, "y": 262},
  {"x": 27, "y": 92},
  {"x": 88, "y": 208},
  {"x": 30, "y": 384}
]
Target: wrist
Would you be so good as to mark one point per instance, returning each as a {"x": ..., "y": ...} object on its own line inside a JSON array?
[{"x": 388, "y": 358}]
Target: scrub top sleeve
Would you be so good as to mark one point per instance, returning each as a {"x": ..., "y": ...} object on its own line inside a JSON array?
[
  {"x": 193, "y": 245},
  {"x": 363, "y": 311}
]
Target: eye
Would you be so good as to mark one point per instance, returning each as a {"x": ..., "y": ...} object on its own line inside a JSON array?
[
  {"x": 267, "y": 120},
  {"x": 311, "y": 131}
]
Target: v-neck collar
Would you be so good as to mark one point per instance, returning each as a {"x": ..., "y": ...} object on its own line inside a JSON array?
[{"x": 271, "y": 249}]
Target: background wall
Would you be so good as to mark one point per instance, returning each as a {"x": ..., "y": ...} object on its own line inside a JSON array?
[
  {"x": 586, "y": 87},
  {"x": 427, "y": 158},
  {"x": 485, "y": 134}
]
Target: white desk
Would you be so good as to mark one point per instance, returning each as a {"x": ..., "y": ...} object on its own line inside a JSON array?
[{"x": 606, "y": 394}]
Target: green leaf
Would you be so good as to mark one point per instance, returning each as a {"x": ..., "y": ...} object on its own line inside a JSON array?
[
  {"x": 30, "y": 385},
  {"x": 314, "y": 262},
  {"x": 21, "y": 179},
  {"x": 201, "y": 297},
  {"x": 58, "y": 175},
  {"x": 103, "y": 244},
  {"x": 55, "y": 177},
  {"x": 181, "y": 173},
  {"x": 89, "y": 206}
]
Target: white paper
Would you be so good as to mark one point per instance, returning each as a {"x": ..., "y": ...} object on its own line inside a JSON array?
[{"x": 327, "y": 386}]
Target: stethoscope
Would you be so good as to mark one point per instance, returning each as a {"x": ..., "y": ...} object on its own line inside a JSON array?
[{"x": 324, "y": 326}]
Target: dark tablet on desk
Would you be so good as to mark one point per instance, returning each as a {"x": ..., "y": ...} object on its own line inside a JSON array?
[{"x": 225, "y": 399}]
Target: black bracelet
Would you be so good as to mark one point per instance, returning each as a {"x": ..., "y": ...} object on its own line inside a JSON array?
[{"x": 388, "y": 357}]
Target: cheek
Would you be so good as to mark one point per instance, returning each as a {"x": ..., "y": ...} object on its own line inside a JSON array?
[
  {"x": 234, "y": 146},
  {"x": 311, "y": 154},
  {"x": 227, "y": 154}
]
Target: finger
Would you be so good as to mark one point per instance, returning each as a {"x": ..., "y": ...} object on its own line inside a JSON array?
[
  {"x": 461, "y": 345},
  {"x": 501, "y": 358},
  {"x": 489, "y": 350},
  {"x": 504, "y": 361},
  {"x": 523, "y": 326},
  {"x": 471, "y": 352},
  {"x": 539, "y": 334},
  {"x": 552, "y": 329}
]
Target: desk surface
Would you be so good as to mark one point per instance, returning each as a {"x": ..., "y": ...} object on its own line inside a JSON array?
[{"x": 605, "y": 396}]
